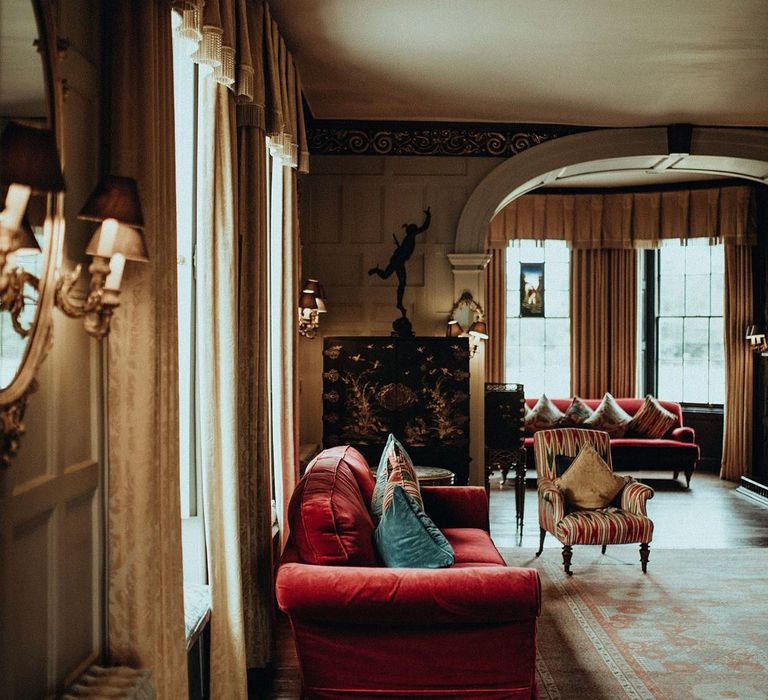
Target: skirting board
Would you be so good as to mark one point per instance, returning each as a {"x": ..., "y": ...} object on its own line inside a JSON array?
[{"x": 754, "y": 490}]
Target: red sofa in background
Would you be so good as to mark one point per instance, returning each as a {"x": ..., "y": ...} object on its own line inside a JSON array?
[
  {"x": 676, "y": 451},
  {"x": 365, "y": 631}
]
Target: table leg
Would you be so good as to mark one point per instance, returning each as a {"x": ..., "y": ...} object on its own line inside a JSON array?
[{"x": 520, "y": 493}]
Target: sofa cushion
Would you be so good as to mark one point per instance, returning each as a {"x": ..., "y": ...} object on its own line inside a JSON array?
[
  {"x": 542, "y": 416},
  {"x": 610, "y": 417},
  {"x": 652, "y": 420},
  {"x": 645, "y": 453},
  {"x": 576, "y": 413},
  {"x": 589, "y": 482},
  {"x": 405, "y": 536},
  {"x": 395, "y": 465},
  {"x": 473, "y": 547},
  {"x": 328, "y": 519}
]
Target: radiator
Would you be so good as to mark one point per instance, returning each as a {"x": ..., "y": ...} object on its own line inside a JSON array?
[{"x": 112, "y": 682}]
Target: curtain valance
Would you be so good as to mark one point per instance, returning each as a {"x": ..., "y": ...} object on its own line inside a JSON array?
[
  {"x": 625, "y": 220},
  {"x": 239, "y": 44}
]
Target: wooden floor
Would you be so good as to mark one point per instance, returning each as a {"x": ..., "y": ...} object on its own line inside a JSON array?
[{"x": 711, "y": 515}]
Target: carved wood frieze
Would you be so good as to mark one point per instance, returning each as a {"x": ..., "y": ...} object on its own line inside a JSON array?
[{"x": 330, "y": 137}]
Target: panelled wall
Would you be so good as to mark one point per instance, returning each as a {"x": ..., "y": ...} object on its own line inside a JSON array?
[
  {"x": 51, "y": 538},
  {"x": 350, "y": 207}
]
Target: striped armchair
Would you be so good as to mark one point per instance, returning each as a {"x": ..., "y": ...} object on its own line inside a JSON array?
[{"x": 624, "y": 522}]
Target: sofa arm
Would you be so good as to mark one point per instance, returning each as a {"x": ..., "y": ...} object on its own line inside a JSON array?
[
  {"x": 457, "y": 506},
  {"x": 634, "y": 497},
  {"x": 370, "y": 595},
  {"x": 549, "y": 493},
  {"x": 684, "y": 434}
]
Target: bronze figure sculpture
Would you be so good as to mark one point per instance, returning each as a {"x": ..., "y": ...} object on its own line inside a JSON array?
[{"x": 403, "y": 251}]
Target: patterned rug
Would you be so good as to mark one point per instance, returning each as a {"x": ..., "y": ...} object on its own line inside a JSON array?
[{"x": 693, "y": 627}]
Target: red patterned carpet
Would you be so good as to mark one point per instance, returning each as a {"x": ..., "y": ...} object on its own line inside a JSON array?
[{"x": 693, "y": 627}]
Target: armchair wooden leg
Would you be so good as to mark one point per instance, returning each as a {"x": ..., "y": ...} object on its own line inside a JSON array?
[
  {"x": 644, "y": 552},
  {"x": 688, "y": 476},
  {"x": 605, "y": 546},
  {"x": 567, "y": 554},
  {"x": 542, "y": 533}
]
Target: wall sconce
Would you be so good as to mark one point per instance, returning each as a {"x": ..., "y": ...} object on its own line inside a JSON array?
[
  {"x": 29, "y": 163},
  {"x": 116, "y": 206},
  {"x": 756, "y": 338},
  {"x": 468, "y": 319},
  {"x": 311, "y": 305}
]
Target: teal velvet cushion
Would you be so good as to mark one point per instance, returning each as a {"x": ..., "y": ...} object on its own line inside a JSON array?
[
  {"x": 394, "y": 466},
  {"x": 405, "y": 536}
]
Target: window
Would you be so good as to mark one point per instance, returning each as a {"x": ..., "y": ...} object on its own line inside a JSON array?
[
  {"x": 688, "y": 326},
  {"x": 538, "y": 347}
]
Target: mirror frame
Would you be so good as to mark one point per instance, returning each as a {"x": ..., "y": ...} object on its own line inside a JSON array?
[
  {"x": 466, "y": 301},
  {"x": 13, "y": 398}
]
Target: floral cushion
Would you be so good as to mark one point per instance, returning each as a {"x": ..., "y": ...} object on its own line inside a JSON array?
[
  {"x": 610, "y": 417},
  {"x": 542, "y": 416},
  {"x": 394, "y": 466},
  {"x": 589, "y": 482},
  {"x": 576, "y": 413},
  {"x": 652, "y": 419}
]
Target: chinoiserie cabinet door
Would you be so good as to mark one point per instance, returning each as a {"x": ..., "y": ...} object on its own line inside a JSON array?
[{"x": 415, "y": 388}]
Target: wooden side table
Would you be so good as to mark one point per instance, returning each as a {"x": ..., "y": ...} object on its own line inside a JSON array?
[
  {"x": 504, "y": 460},
  {"x": 434, "y": 476}
]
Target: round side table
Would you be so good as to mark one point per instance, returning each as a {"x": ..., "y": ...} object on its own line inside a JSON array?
[{"x": 434, "y": 476}]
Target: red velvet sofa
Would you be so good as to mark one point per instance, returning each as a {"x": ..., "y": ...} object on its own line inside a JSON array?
[
  {"x": 362, "y": 630},
  {"x": 676, "y": 450}
]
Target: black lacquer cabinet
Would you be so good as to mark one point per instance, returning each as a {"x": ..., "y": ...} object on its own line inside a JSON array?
[{"x": 416, "y": 388}]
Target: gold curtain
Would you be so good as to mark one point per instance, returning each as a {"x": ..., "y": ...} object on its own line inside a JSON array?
[
  {"x": 496, "y": 315},
  {"x": 144, "y": 563},
  {"x": 739, "y": 363},
  {"x": 254, "y": 463},
  {"x": 629, "y": 219},
  {"x": 603, "y": 308}
]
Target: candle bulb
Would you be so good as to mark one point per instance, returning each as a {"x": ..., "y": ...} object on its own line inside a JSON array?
[
  {"x": 107, "y": 236},
  {"x": 115, "y": 276},
  {"x": 15, "y": 205}
]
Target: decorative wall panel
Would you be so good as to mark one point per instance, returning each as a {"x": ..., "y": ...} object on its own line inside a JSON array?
[{"x": 416, "y": 388}]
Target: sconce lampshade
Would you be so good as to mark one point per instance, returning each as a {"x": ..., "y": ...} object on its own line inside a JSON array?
[
  {"x": 114, "y": 198},
  {"x": 480, "y": 329},
  {"x": 128, "y": 241},
  {"x": 312, "y": 286},
  {"x": 307, "y": 300},
  {"x": 453, "y": 330},
  {"x": 28, "y": 156}
]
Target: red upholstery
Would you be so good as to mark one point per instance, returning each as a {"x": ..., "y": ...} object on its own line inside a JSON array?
[
  {"x": 676, "y": 451},
  {"x": 468, "y": 631},
  {"x": 329, "y": 522}
]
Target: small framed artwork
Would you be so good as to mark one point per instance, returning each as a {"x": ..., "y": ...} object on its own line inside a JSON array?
[{"x": 532, "y": 289}]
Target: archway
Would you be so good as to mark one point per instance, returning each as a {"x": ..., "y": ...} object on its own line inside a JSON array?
[{"x": 721, "y": 152}]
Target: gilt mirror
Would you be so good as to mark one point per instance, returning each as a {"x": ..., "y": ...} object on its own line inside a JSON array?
[{"x": 29, "y": 97}]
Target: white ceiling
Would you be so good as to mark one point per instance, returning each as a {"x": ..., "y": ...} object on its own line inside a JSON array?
[{"x": 582, "y": 62}]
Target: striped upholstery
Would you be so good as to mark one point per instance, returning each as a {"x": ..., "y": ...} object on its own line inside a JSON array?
[{"x": 612, "y": 525}]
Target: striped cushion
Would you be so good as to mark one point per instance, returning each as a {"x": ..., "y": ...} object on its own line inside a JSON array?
[
  {"x": 604, "y": 526},
  {"x": 652, "y": 420},
  {"x": 395, "y": 467}
]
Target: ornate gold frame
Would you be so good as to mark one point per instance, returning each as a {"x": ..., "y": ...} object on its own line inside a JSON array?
[{"x": 13, "y": 398}]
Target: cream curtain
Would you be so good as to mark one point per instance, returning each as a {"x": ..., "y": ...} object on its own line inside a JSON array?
[
  {"x": 217, "y": 301},
  {"x": 629, "y": 219},
  {"x": 603, "y": 309},
  {"x": 496, "y": 303},
  {"x": 144, "y": 569},
  {"x": 739, "y": 363}
]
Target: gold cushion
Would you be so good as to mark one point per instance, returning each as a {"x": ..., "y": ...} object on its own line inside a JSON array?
[{"x": 589, "y": 482}]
